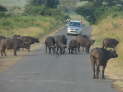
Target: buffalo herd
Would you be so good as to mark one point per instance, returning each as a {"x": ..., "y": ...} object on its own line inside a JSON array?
[
  {"x": 98, "y": 56},
  {"x": 59, "y": 45}
]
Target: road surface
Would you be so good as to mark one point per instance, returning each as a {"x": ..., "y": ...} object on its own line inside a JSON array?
[{"x": 39, "y": 72}]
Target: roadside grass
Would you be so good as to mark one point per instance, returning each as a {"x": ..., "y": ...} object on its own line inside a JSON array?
[
  {"x": 111, "y": 27},
  {"x": 35, "y": 26}
]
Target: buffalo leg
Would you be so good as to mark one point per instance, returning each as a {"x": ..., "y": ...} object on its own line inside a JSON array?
[
  {"x": 78, "y": 48},
  {"x": 46, "y": 49},
  {"x": 69, "y": 50},
  {"x": 53, "y": 50},
  {"x": 4, "y": 51},
  {"x": 103, "y": 71},
  {"x": 94, "y": 72},
  {"x": 28, "y": 49},
  {"x": 15, "y": 54},
  {"x": 57, "y": 50},
  {"x": 75, "y": 50},
  {"x": 1, "y": 53},
  {"x": 93, "y": 66},
  {"x": 97, "y": 71},
  {"x": 63, "y": 50},
  {"x": 94, "y": 76},
  {"x": 87, "y": 50},
  {"x": 50, "y": 50}
]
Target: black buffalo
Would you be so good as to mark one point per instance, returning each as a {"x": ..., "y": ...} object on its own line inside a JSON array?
[
  {"x": 73, "y": 46},
  {"x": 8, "y": 43},
  {"x": 61, "y": 43},
  {"x": 50, "y": 44},
  {"x": 2, "y": 37},
  {"x": 110, "y": 43},
  {"x": 99, "y": 57},
  {"x": 85, "y": 42},
  {"x": 28, "y": 41}
]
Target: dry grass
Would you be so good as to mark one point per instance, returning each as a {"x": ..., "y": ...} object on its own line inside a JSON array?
[{"x": 112, "y": 27}]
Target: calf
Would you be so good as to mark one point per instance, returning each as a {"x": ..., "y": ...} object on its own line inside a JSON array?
[{"x": 99, "y": 57}]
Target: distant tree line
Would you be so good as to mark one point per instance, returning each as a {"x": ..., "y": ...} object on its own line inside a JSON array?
[
  {"x": 95, "y": 10},
  {"x": 2, "y": 8},
  {"x": 42, "y": 7},
  {"x": 47, "y": 3},
  {"x": 45, "y": 8}
]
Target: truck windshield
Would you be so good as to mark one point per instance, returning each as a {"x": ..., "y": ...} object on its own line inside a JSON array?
[{"x": 77, "y": 24}]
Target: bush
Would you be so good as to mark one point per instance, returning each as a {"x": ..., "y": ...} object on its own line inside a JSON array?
[{"x": 34, "y": 10}]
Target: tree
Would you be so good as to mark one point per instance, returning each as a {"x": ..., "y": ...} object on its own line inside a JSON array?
[
  {"x": 47, "y": 3},
  {"x": 95, "y": 10},
  {"x": 3, "y": 9},
  {"x": 106, "y": 2},
  {"x": 52, "y": 3}
]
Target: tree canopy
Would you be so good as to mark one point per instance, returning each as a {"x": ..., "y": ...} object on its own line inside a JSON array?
[
  {"x": 2, "y": 8},
  {"x": 94, "y": 10},
  {"x": 106, "y": 2},
  {"x": 47, "y": 3}
]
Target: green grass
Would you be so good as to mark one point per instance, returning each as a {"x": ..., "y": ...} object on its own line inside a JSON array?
[{"x": 27, "y": 25}]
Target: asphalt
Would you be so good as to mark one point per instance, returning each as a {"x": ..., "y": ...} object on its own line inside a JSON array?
[{"x": 40, "y": 72}]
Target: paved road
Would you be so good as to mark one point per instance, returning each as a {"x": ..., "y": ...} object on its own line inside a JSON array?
[{"x": 45, "y": 73}]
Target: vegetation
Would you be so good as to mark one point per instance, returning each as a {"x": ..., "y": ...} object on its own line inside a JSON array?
[
  {"x": 96, "y": 10},
  {"x": 27, "y": 25},
  {"x": 47, "y": 3},
  {"x": 36, "y": 18}
]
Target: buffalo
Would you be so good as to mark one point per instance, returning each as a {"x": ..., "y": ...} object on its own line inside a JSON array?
[
  {"x": 50, "y": 44},
  {"x": 85, "y": 42},
  {"x": 73, "y": 46},
  {"x": 2, "y": 37},
  {"x": 28, "y": 41},
  {"x": 110, "y": 43},
  {"x": 8, "y": 43},
  {"x": 99, "y": 57},
  {"x": 61, "y": 43}
]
